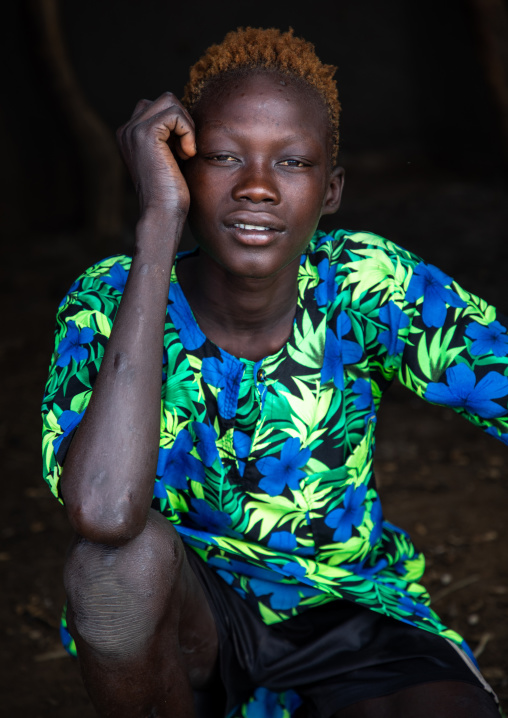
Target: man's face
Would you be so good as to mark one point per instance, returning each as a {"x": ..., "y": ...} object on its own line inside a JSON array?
[{"x": 261, "y": 177}]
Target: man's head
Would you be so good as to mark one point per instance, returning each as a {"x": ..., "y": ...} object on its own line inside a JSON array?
[{"x": 256, "y": 49}]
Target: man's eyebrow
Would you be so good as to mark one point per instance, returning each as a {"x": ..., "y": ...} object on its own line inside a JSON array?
[{"x": 235, "y": 132}]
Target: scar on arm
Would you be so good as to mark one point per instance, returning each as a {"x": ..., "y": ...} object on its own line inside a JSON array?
[{"x": 120, "y": 361}]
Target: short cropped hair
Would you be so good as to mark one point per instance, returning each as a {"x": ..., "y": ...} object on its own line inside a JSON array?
[{"x": 269, "y": 49}]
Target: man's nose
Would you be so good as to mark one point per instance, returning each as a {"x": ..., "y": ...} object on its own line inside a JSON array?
[{"x": 257, "y": 183}]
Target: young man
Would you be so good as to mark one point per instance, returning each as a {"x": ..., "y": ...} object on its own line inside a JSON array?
[{"x": 228, "y": 528}]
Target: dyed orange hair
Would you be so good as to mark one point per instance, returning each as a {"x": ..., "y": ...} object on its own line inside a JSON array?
[{"x": 270, "y": 49}]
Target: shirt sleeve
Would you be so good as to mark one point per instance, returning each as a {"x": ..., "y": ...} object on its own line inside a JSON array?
[
  {"x": 83, "y": 325},
  {"x": 454, "y": 349}
]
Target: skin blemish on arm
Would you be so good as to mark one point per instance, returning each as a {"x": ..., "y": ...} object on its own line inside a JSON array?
[
  {"x": 99, "y": 477},
  {"x": 120, "y": 362}
]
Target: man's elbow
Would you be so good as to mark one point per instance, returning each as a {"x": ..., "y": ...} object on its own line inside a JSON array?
[{"x": 100, "y": 520}]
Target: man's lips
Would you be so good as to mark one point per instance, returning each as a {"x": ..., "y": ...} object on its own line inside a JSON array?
[
  {"x": 252, "y": 227},
  {"x": 253, "y": 234},
  {"x": 254, "y": 222}
]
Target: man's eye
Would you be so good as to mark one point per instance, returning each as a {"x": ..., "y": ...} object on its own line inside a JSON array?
[
  {"x": 292, "y": 163},
  {"x": 223, "y": 158}
]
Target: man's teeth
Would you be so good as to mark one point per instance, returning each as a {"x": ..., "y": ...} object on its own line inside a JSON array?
[{"x": 255, "y": 227}]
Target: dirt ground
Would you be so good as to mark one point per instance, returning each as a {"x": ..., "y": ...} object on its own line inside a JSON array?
[{"x": 441, "y": 479}]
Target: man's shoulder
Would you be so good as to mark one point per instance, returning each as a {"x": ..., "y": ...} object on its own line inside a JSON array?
[
  {"x": 99, "y": 287},
  {"x": 341, "y": 245},
  {"x": 109, "y": 266}
]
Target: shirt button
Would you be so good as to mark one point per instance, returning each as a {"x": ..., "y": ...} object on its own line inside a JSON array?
[{"x": 261, "y": 375}]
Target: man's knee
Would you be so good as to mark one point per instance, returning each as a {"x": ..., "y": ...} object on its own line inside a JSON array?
[{"x": 118, "y": 596}]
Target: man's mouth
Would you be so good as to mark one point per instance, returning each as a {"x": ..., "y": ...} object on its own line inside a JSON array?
[
  {"x": 253, "y": 227},
  {"x": 257, "y": 231}
]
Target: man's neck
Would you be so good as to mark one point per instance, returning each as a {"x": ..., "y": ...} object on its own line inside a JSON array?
[{"x": 248, "y": 317}]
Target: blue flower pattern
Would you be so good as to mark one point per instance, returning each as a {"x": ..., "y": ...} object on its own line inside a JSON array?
[
  {"x": 241, "y": 444},
  {"x": 463, "y": 391},
  {"x": 224, "y": 374},
  {"x": 286, "y": 471},
  {"x": 176, "y": 464},
  {"x": 282, "y": 541},
  {"x": 492, "y": 338},
  {"x": 364, "y": 399},
  {"x": 68, "y": 420},
  {"x": 201, "y": 452},
  {"x": 207, "y": 518},
  {"x": 71, "y": 347},
  {"x": 117, "y": 277},
  {"x": 326, "y": 289},
  {"x": 344, "y": 519},
  {"x": 431, "y": 283},
  {"x": 339, "y": 351},
  {"x": 191, "y": 335},
  {"x": 207, "y": 446},
  {"x": 392, "y": 315}
]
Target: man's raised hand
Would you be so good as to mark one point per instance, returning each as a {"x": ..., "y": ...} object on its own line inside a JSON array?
[{"x": 149, "y": 158}]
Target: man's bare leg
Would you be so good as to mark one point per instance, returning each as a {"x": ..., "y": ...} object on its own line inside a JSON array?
[{"x": 144, "y": 632}]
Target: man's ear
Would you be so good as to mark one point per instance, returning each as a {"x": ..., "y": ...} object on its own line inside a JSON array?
[{"x": 334, "y": 192}]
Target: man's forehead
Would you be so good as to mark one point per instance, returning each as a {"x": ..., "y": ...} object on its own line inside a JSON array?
[
  {"x": 260, "y": 91},
  {"x": 266, "y": 89},
  {"x": 260, "y": 80}
]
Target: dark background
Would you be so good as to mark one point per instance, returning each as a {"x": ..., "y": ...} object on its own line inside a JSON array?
[{"x": 423, "y": 142}]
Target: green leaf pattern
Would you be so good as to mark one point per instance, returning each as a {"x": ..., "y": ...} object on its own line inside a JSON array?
[{"x": 314, "y": 404}]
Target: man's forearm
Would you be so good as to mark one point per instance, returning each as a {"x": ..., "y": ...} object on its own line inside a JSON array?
[{"x": 108, "y": 478}]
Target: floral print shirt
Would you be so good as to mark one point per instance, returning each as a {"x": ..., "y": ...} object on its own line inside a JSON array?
[{"x": 265, "y": 468}]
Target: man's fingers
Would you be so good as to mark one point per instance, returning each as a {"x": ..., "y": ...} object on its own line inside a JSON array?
[
  {"x": 141, "y": 106},
  {"x": 161, "y": 119},
  {"x": 146, "y": 109},
  {"x": 158, "y": 134},
  {"x": 168, "y": 124},
  {"x": 186, "y": 144}
]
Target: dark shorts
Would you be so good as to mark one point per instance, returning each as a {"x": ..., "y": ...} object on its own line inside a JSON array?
[{"x": 333, "y": 655}]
